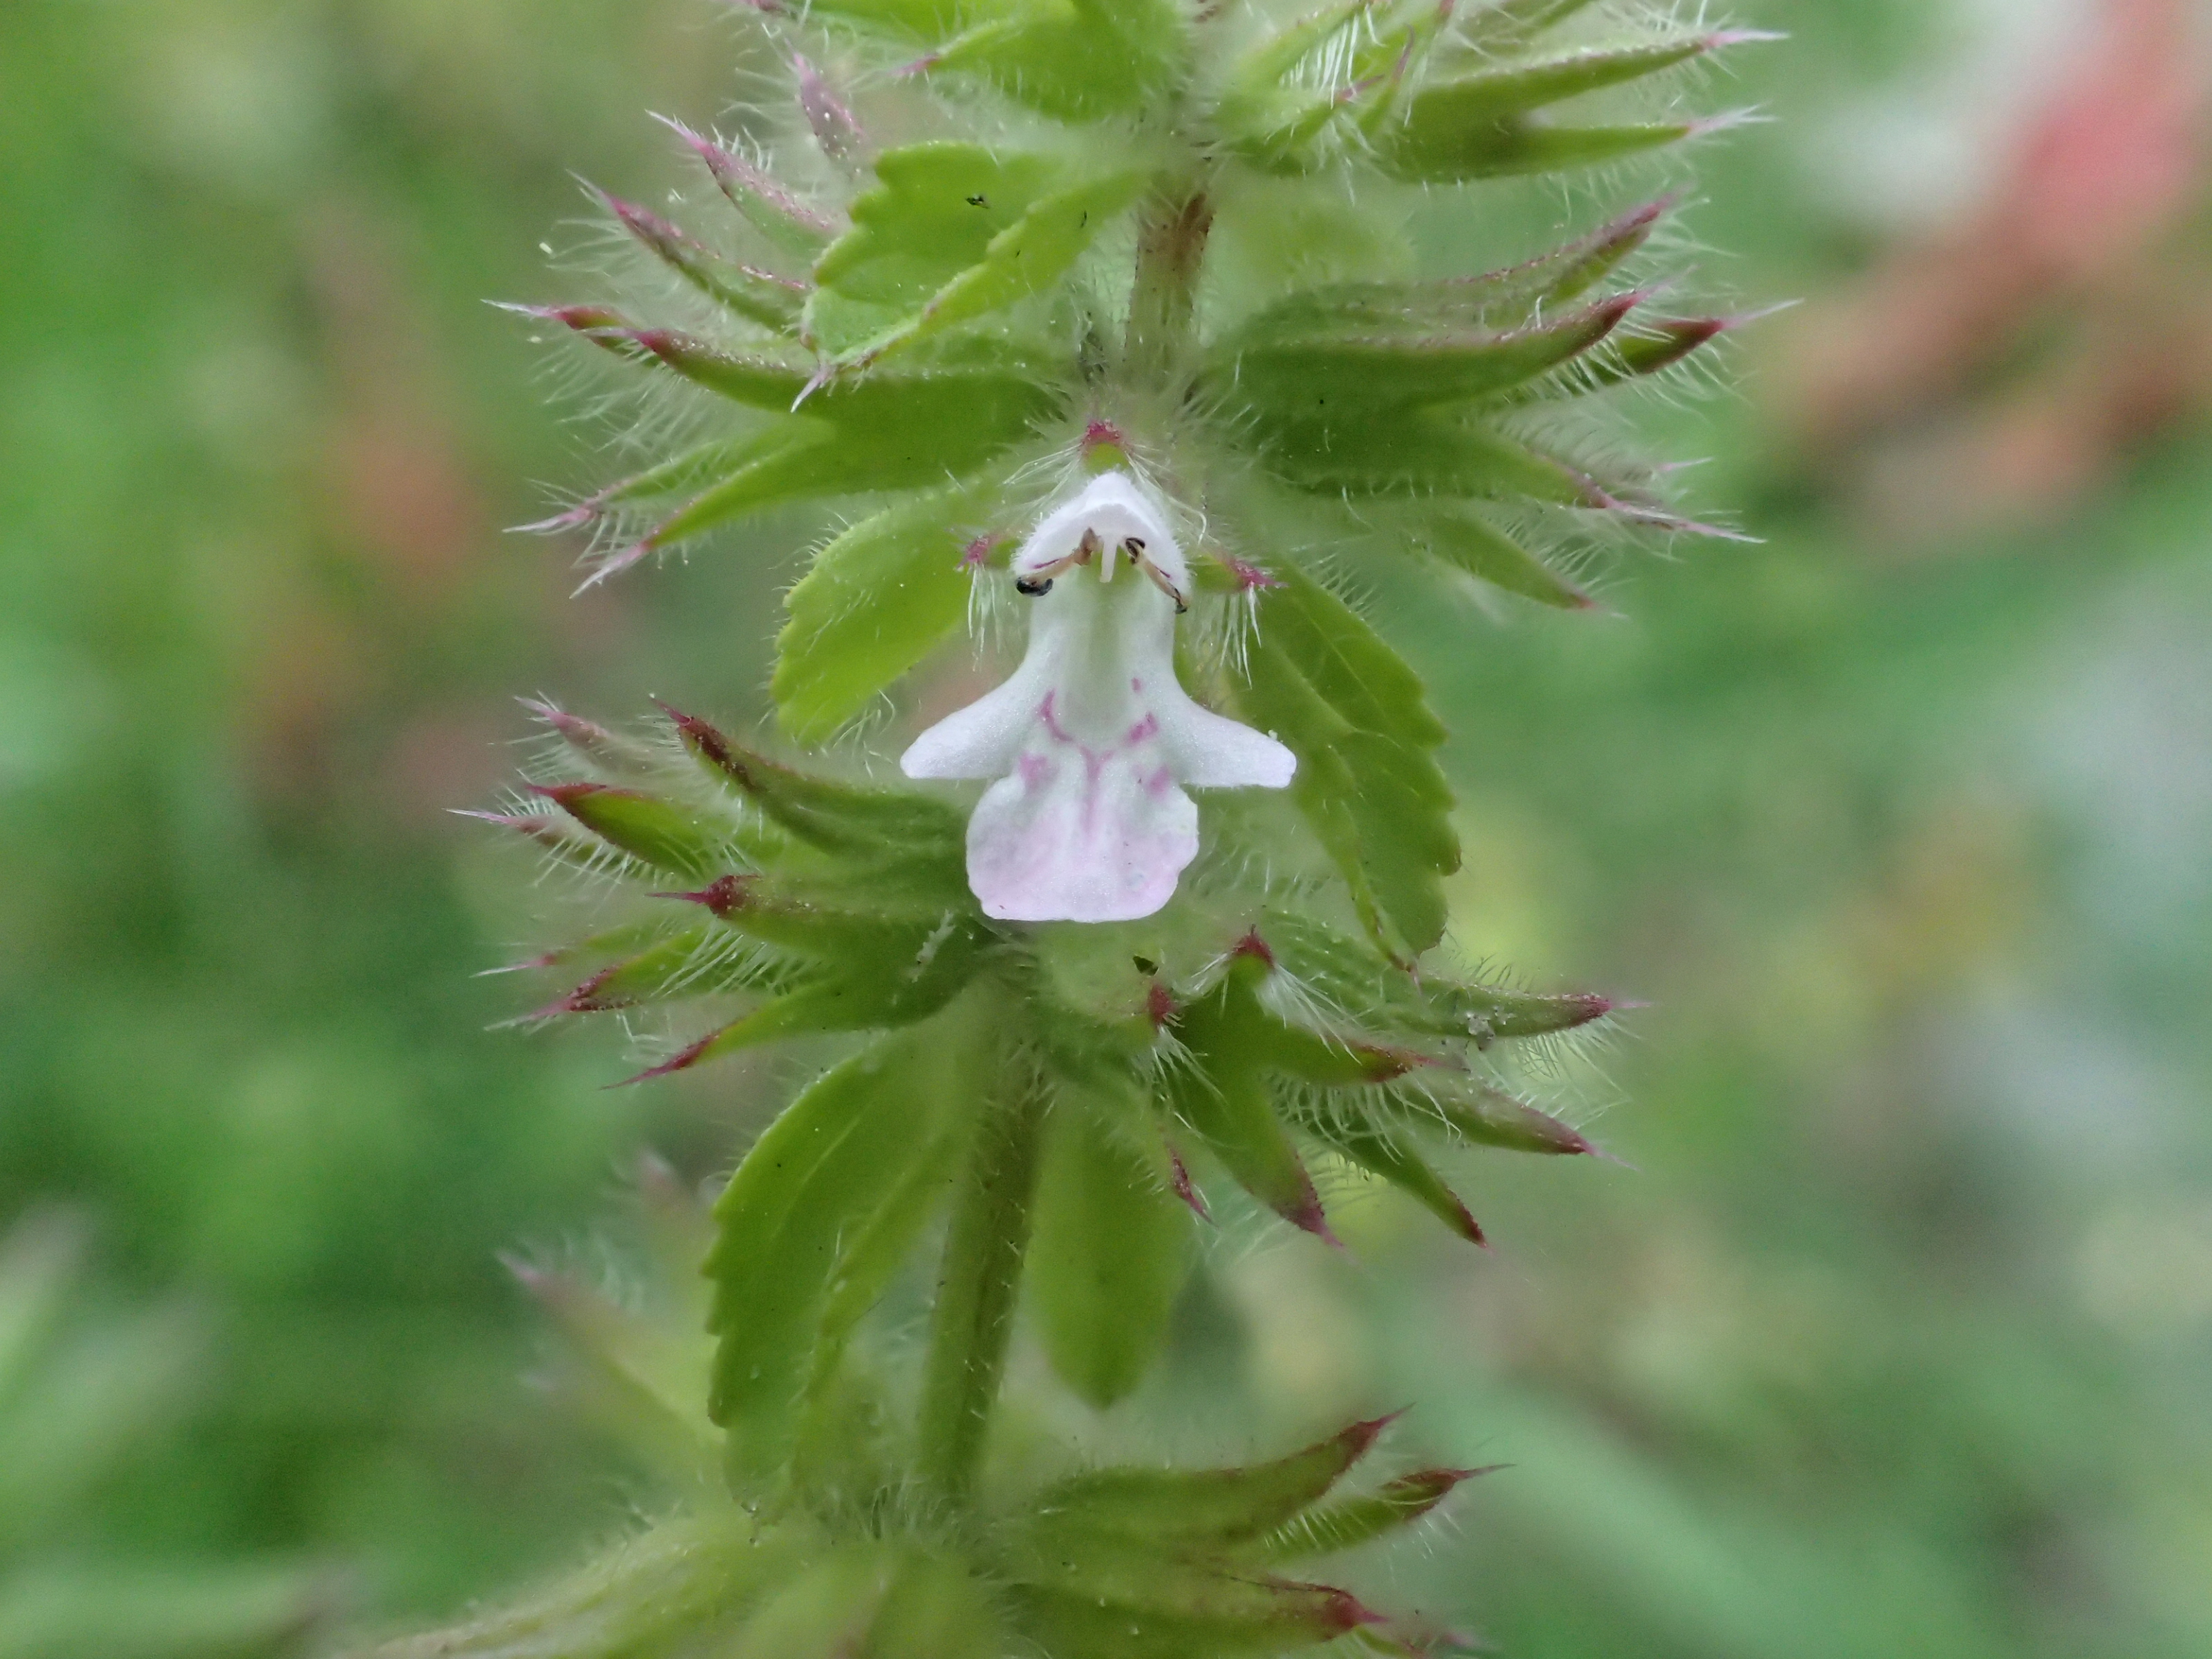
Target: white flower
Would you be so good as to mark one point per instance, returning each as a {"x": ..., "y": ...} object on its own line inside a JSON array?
[{"x": 1093, "y": 738}]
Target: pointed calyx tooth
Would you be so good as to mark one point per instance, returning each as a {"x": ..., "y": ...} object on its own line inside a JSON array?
[
  {"x": 835, "y": 128},
  {"x": 1253, "y": 948},
  {"x": 591, "y": 740},
  {"x": 682, "y": 1060},
  {"x": 724, "y": 896},
  {"x": 786, "y": 221}
]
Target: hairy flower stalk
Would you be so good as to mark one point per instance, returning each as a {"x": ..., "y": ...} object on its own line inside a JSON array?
[{"x": 1136, "y": 354}]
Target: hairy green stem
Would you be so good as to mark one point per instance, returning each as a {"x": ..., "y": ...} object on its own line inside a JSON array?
[
  {"x": 1170, "y": 252},
  {"x": 976, "y": 1288}
]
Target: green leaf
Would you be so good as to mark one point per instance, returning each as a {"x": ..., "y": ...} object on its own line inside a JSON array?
[
  {"x": 1485, "y": 124},
  {"x": 758, "y": 380},
  {"x": 953, "y": 232},
  {"x": 1433, "y": 153},
  {"x": 685, "y": 473},
  {"x": 1074, "y": 60},
  {"x": 1222, "y": 1098},
  {"x": 557, "y": 837},
  {"x": 1422, "y": 453},
  {"x": 910, "y": 20},
  {"x": 1383, "y": 1155},
  {"x": 820, "y": 1610},
  {"x": 1509, "y": 20},
  {"x": 1331, "y": 1061},
  {"x": 874, "y": 1257},
  {"x": 767, "y": 912},
  {"x": 1357, "y": 1521},
  {"x": 758, "y": 296},
  {"x": 884, "y": 994},
  {"x": 1654, "y": 350},
  {"x": 1186, "y": 1610},
  {"x": 1339, "y": 971},
  {"x": 1497, "y": 300},
  {"x": 1110, "y": 1250},
  {"x": 1486, "y": 1116},
  {"x": 1195, "y": 1507},
  {"x": 1477, "y": 101},
  {"x": 956, "y": 407},
  {"x": 691, "y": 963},
  {"x": 643, "y": 1380},
  {"x": 654, "y": 1594},
  {"x": 1347, "y": 974},
  {"x": 834, "y": 815},
  {"x": 935, "y": 1609},
  {"x": 1304, "y": 96},
  {"x": 978, "y": 1283},
  {"x": 1354, "y": 714},
  {"x": 797, "y": 1210},
  {"x": 1464, "y": 540},
  {"x": 1361, "y": 677},
  {"x": 1080, "y": 1627},
  {"x": 876, "y": 601},
  {"x": 881, "y": 432},
  {"x": 787, "y": 223},
  {"x": 650, "y": 830},
  {"x": 1410, "y": 310},
  {"x": 1488, "y": 1012},
  {"x": 1344, "y": 370},
  {"x": 793, "y": 460}
]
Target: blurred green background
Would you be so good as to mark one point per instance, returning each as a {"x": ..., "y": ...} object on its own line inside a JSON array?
[{"x": 1897, "y": 1341}]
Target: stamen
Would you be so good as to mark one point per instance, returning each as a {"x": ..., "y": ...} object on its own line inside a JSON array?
[{"x": 1135, "y": 550}]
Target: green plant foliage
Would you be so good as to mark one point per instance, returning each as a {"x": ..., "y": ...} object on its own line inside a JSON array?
[
  {"x": 1075, "y": 60},
  {"x": 952, "y": 232},
  {"x": 1316, "y": 90},
  {"x": 876, "y": 601},
  {"x": 795, "y": 1222},
  {"x": 1355, "y": 716},
  {"x": 1110, "y": 1250},
  {"x": 991, "y": 315},
  {"x": 1901, "y": 1319}
]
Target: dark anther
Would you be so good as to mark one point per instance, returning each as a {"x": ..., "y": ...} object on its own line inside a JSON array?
[
  {"x": 1146, "y": 966},
  {"x": 1134, "y": 548},
  {"x": 1033, "y": 589},
  {"x": 977, "y": 201}
]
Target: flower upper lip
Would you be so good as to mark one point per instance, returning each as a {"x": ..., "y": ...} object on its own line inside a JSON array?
[{"x": 1111, "y": 513}]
